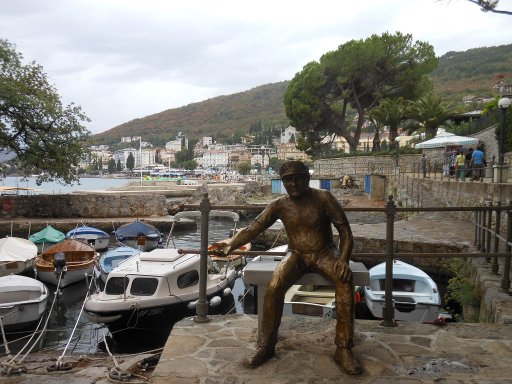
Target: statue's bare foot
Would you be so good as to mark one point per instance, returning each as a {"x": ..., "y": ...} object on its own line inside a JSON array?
[
  {"x": 347, "y": 361},
  {"x": 261, "y": 355}
]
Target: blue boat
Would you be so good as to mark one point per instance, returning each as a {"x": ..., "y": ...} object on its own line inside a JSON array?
[
  {"x": 139, "y": 235},
  {"x": 93, "y": 236},
  {"x": 113, "y": 257}
]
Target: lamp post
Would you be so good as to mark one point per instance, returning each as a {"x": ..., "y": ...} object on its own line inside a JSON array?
[
  {"x": 503, "y": 103},
  {"x": 263, "y": 159}
]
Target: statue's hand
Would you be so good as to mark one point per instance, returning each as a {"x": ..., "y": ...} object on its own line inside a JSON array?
[
  {"x": 343, "y": 271},
  {"x": 221, "y": 248}
]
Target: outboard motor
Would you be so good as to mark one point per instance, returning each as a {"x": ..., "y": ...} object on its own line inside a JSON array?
[{"x": 59, "y": 263}]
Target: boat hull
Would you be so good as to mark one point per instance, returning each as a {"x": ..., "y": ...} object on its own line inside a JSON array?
[
  {"x": 147, "y": 316},
  {"x": 22, "y": 302},
  {"x": 71, "y": 276},
  {"x": 418, "y": 312},
  {"x": 415, "y": 295},
  {"x": 145, "y": 245},
  {"x": 17, "y": 267}
]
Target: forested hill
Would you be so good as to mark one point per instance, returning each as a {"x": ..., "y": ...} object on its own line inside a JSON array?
[
  {"x": 219, "y": 117},
  {"x": 472, "y": 72}
]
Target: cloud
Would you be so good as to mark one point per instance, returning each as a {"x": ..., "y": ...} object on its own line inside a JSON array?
[{"x": 125, "y": 59}]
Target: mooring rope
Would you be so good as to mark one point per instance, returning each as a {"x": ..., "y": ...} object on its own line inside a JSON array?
[
  {"x": 11, "y": 366},
  {"x": 59, "y": 360}
]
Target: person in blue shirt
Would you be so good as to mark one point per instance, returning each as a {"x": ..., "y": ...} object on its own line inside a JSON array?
[{"x": 477, "y": 163}]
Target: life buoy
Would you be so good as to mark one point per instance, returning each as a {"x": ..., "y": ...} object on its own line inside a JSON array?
[{"x": 7, "y": 204}]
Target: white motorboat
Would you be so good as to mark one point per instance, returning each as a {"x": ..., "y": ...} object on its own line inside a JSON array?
[
  {"x": 22, "y": 302},
  {"x": 415, "y": 295},
  {"x": 148, "y": 289},
  {"x": 17, "y": 255},
  {"x": 111, "y": 259},
  {"x": 93, "y": 236}
]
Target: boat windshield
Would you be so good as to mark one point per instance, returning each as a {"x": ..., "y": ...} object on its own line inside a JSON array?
[{"x": 116, "y": 285}]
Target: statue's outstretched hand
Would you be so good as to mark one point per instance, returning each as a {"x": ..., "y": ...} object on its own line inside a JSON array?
[{"x": 343, "y": 271}]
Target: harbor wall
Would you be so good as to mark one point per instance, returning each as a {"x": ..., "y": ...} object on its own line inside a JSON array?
[{"x": 89, "y": 205}]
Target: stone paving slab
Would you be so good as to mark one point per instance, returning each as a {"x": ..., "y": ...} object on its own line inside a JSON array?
[{"x": 410, "y": 353}]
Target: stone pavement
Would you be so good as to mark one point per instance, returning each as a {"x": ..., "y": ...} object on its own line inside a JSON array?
[{"x": 409, "y": 353}]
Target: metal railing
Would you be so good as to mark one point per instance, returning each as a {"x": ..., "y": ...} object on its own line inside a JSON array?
[{"x": 488, "y": 228}]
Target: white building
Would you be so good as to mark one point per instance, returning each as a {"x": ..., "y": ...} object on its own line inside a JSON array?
[
  {"x": 128, "y": 139},
  {"x": 215, "y": 158},
  {"x": 147, "y": 155},
  {"x": 287, "y": 135}
]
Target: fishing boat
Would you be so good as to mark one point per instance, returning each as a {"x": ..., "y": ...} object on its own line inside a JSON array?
[
  {"x": 46, "y": 238},
  {"x": 17, "y": 255},
  {"x": 146, "y": 290},
  {"x": 112, "y": 258},
  {"x": 139, "y": 235},
  {"x": 95, "y": 237},
  {"x": 71, "y": 258},
  {"x": 415, "y": 295},
  {"x": 22, "y": 302}
]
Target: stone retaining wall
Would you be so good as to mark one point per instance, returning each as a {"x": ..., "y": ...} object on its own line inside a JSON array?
[{"x": 83, "y": 205}]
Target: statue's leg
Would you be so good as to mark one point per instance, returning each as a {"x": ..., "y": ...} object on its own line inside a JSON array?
[
  {"x": 345, "y": 314},
  {"x": 286, "y": 273}
]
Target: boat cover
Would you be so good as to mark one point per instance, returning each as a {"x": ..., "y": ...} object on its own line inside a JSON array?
[
  {"x": 47, "y": 235},
  {"x": 16, "y": 249},
  {"x": 136, "y": 229},
  {"x": 85, "y": 230}
]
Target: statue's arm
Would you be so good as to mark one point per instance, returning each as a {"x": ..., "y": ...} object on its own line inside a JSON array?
[{"x": 264, "y": 220}]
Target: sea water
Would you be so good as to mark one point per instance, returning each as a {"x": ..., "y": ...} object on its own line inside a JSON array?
[{"x": 54, "y": 187}]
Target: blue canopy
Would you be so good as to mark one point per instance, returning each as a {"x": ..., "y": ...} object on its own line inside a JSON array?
[
  {"x": 136, "y": 229},
  {"x": 85, "y": 230}
]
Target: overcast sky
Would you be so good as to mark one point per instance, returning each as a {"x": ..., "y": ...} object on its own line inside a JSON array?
[{"x": 126, "y": 59}]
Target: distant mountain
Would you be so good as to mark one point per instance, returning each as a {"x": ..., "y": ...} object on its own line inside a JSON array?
[
  {"x": 472, "y": 72},
  {"x": 219, "y": 117}
]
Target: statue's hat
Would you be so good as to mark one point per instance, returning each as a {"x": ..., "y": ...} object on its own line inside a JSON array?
[{"x": 293, "y": 167}]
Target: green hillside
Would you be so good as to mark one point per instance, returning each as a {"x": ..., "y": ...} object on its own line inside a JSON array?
[
  {"x": 219, "y": 117},
  {"x": 472, "y": 72}
]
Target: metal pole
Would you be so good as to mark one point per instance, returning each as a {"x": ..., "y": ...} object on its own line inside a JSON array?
[
  {"x": 202, "y": 303},
  {"x": 495, "y": 266},
  {"x": 505, "y": 280},
  {"x": 488, "y": 234},
  {"x": 388, "y": 312}
]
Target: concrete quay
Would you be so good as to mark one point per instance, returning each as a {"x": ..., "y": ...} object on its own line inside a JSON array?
[{"x": 213, "y": 352}]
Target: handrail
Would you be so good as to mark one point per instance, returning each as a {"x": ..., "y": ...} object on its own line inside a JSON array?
[{"x": 482, "y": 240}]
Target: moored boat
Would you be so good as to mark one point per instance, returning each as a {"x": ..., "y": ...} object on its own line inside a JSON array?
[
  {"x": 17, "y": 255},
  {"x": 139, "y": 235},
  {"x": 73, "y": 258},
  {"x": 112, "y": 258},
  {"x": 146, "y": 290},
  {"x": 95, "y": 237},
  {"x": 22, "y": 302},
  {"x": 415, "y": 295},
  {"x": 47, "y": 237}
]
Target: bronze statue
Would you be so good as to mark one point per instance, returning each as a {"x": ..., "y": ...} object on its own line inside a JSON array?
[{"x": 307, "y": 215}]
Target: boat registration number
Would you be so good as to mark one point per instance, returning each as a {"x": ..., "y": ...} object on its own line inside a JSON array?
[{"x": 150, "y": 312}]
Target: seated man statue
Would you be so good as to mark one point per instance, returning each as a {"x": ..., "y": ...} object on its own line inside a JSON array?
[{"x": 307, "y": 215}]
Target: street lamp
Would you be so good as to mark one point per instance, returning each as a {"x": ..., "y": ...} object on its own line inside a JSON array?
[
  {"x": 503, "y": 103},
  {"x": 263, "y": 158}
]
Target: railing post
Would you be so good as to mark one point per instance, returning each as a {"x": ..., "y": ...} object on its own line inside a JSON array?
[
  {"x": 477, "y": 230},
  {"x": 495, "y": 267},
  {"x": 388, "y": 311},
  {"x": 481, "y": 244},
  {"x": 505, "y": 280},
  {"x": 488, "y": 233},
  {"x": 202, "y": 303}
]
